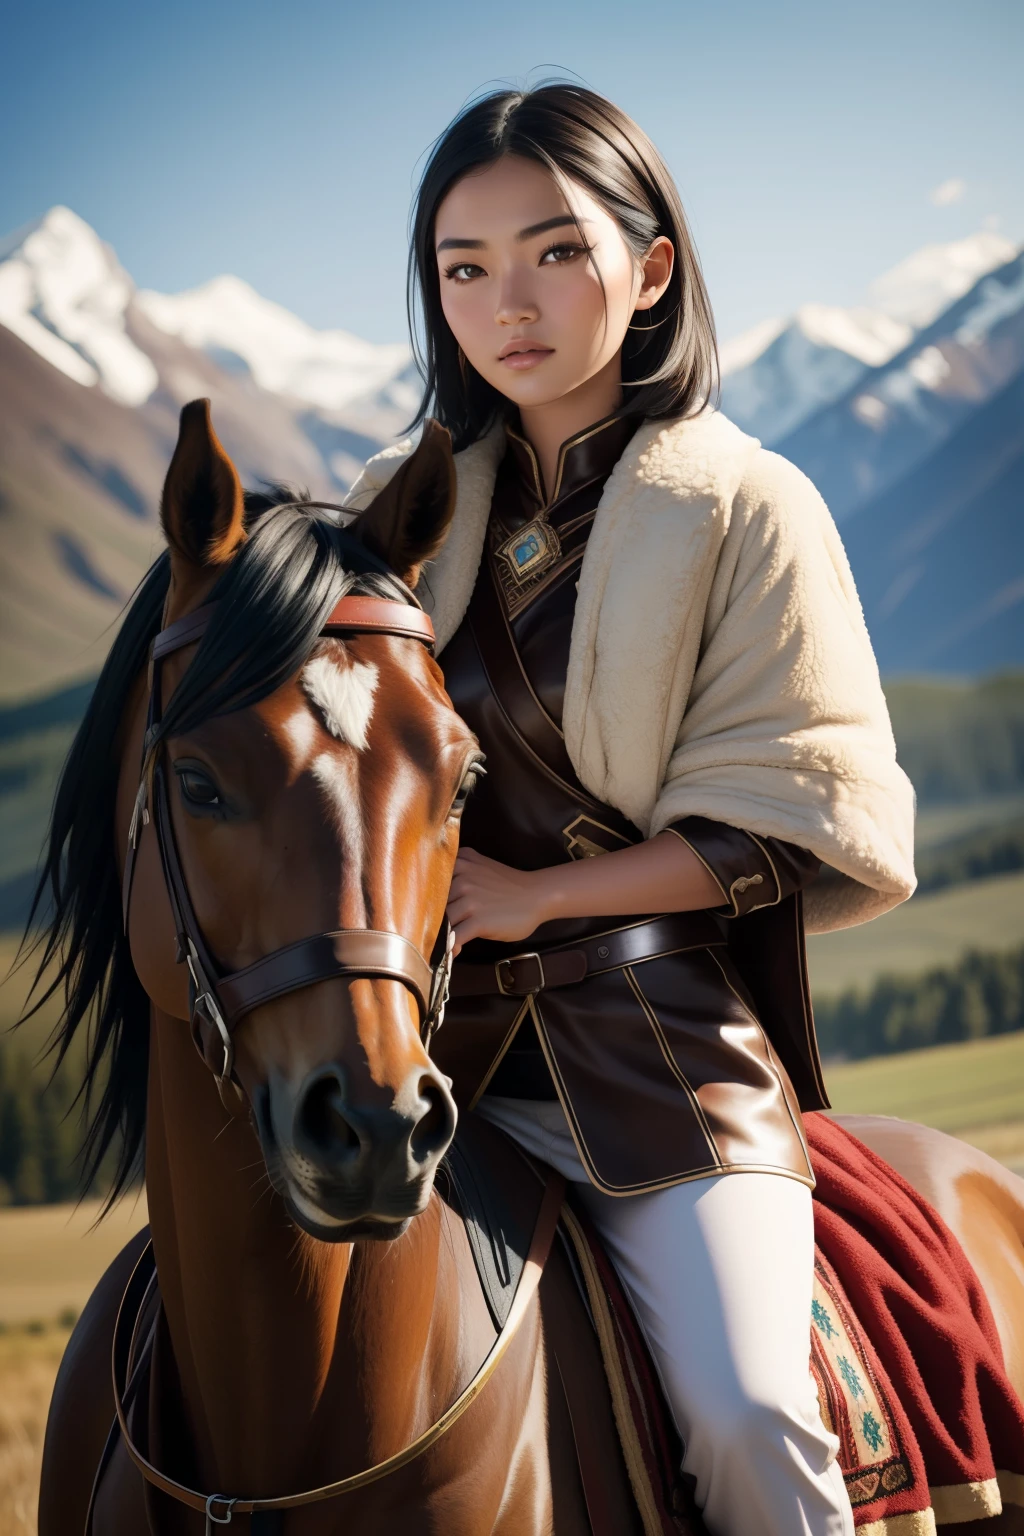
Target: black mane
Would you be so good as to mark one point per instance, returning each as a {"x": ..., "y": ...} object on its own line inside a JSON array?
[{"x": 272, "y": 602}]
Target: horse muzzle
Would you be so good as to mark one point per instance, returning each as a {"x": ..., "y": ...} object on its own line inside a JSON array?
[{"x": 349, "y": 1167}]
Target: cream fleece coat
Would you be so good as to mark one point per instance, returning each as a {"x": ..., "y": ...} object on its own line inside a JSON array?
[{"x": 719, "y": 664}]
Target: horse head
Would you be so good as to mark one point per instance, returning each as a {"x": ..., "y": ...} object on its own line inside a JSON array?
[{"x": 313, "y": 783}]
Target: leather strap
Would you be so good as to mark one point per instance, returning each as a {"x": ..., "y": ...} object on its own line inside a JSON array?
[
  {"x": 184, "y": 631},
  {"x": 376, "y": 615},
  {"x": 218, "y": 1000},
  {"x": 534, "y": 971},
  {"x": 380, "y": 616},
  {"x": 346, "y": 952},
  {"x": 220, "y": 1508},
  {"x": 496, "y": 644},
  {"x": 499, "y": 655}
]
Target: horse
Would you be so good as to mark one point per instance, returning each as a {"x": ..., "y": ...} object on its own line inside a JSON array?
[{"x": 296, "y": 815}]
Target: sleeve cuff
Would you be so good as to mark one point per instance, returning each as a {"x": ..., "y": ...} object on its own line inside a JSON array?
[{"x": 740, "y": 863}]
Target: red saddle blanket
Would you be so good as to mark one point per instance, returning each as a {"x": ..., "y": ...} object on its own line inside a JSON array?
[
  {"x": 904, "y": 1350},
  {"x": 930, "y": 1428}
]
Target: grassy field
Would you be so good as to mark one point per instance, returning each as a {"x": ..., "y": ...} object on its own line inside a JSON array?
[
  {"x": 51, "y": 1256},
  {"x": 927, "y": 931},
  {"x": 29, "y": 1358},
  {"x": 974, "y": 1090},
  {"x": 937, "y": 824}
]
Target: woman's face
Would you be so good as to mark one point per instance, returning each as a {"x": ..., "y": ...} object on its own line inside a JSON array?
[{"x": 519, "y": 288}]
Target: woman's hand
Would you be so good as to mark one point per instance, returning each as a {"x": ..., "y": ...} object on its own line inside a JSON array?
[{"x": 489, "y": 900}]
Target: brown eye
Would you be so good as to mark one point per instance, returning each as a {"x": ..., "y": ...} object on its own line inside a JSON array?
[
  {"x": 462, "y": 271},
  {"x": 558, "y": 255},
  {"x": 197, "y": 788}
]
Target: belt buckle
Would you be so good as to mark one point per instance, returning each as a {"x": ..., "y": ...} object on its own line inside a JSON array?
[{"x": 511, "y": 960}]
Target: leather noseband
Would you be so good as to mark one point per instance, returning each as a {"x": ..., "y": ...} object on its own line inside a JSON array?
[{"x": 219, "y": 999}]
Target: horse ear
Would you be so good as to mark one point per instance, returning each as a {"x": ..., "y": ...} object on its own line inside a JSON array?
[
  {"x": 202, "y": 508},
  {"x": 408, "y": 521}
]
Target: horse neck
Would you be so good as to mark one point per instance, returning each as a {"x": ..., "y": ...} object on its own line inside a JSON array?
[{"x": 268, "y": 1328}]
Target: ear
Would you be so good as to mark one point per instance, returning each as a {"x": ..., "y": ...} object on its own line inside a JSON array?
[
  {"x": 409, "y": 520},
  {"x": 655, "y": 272},
  {"x": 202, "y": 508}
]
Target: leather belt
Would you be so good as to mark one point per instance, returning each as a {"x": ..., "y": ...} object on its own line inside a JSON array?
[{"x": 531, "y": 971}]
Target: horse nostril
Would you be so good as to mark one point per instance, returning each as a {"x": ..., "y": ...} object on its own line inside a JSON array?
[
  {"x": 323, "y": 1121},
  {"x": 436, "y": 1126}
]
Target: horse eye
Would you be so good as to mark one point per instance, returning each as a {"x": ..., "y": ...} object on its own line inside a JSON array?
[
  {"x": 473, "y": 774},
  {"x": 197, "y": 788}
]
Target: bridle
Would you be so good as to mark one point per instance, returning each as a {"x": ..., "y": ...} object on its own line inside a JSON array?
[{"x": 219, "y": 999}]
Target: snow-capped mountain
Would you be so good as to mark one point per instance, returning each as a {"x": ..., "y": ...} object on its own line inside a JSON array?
[
  {"x": 777, "y": 375},
  {"x": 230, "y": 322},
  {"x": 918, "y": 289},
  {"x": 908, "y": 413},
  {"x": 92, "y": 376},
  {"x": 93, "y": 373},
  {"x": 896, "y": 414},
  {"x": 64, "y": 293},
  {"x": 939, "y": 553}
]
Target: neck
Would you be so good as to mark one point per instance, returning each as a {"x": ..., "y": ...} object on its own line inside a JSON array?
[
  {"x": 260, "y": 1317},
  {"x": 547, "y": 427}
]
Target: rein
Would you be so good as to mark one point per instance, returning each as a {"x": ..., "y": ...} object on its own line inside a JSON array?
[
  {"x": 129, "y": 1373},
  {"x": 219, "y": 999}
]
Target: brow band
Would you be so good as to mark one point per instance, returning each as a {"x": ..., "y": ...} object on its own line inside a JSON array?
[{"x": 354, "y": 614}]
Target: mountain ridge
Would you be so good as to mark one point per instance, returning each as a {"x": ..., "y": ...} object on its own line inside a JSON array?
[
  {"x": 778, "y": 374},
  {"x": 93, "y": 374}
]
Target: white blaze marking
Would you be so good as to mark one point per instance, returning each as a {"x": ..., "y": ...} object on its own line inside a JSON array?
[
  {"x": 343, "y": 695},
  {"x": 301, "y": 731},
  {"x": 339, "y": 782}
]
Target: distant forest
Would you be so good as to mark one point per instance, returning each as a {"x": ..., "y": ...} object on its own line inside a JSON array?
[
  {"x": 40, "y": 1131},
  {"x": 40, "y": 1125},
  {"x": 982, "y": 995},
  {"x": 959, "y": 741}
]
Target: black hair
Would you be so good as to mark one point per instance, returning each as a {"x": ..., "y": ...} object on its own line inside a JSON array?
[
  {"x": 272, "y": 601},
  {"x": 669, "y": 357}
]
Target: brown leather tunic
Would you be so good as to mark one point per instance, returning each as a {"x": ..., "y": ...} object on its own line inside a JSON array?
[{"x": 662, "y": 1067}]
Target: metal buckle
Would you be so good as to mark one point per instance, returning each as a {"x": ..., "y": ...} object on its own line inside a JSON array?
[
  {"x": 206, "y": 1004},
  {"x": 439, "y": 991},
  {"x": 211, "y": 1518},
  {"x": 511, "y": 960}
]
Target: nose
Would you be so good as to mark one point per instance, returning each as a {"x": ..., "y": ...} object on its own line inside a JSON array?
[
  {"x": 515, "y": 306},
  {"x": 373, "y": 1144}
]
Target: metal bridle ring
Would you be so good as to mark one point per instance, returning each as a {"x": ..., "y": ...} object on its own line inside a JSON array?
[{"x": 219, "y": 1498}]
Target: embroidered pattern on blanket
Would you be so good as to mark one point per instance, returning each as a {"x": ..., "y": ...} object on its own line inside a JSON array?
[{"x": 854, "y": 1400}]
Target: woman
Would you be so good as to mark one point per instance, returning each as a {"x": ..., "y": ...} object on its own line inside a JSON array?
[{"x": 651, "y": 626}]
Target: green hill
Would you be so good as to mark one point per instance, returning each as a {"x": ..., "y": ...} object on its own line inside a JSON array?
[
  {"x": 931, "y": 930},
  {"x": 959, "y": 741}
]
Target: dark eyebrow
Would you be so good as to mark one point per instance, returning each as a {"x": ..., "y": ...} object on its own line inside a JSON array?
[
  {"x": 462, "y": 245},
  {"x": 557, "y": 222},
  {"x": 530, "y": 233}
]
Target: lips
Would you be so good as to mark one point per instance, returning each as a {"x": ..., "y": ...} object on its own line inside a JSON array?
[{"x": 523, "y": 347}]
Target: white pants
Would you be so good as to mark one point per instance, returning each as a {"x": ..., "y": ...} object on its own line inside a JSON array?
[{"x": 720, "y": 1272}]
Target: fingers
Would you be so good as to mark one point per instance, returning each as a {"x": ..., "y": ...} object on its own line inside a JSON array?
[
  {"x": 459, "y": 910},
  {"x": 464, "y": 932},
  {"x": 470, "y": 856}
]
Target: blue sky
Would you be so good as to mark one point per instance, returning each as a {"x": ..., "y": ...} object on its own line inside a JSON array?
[{"x": 280, "y": 141}]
